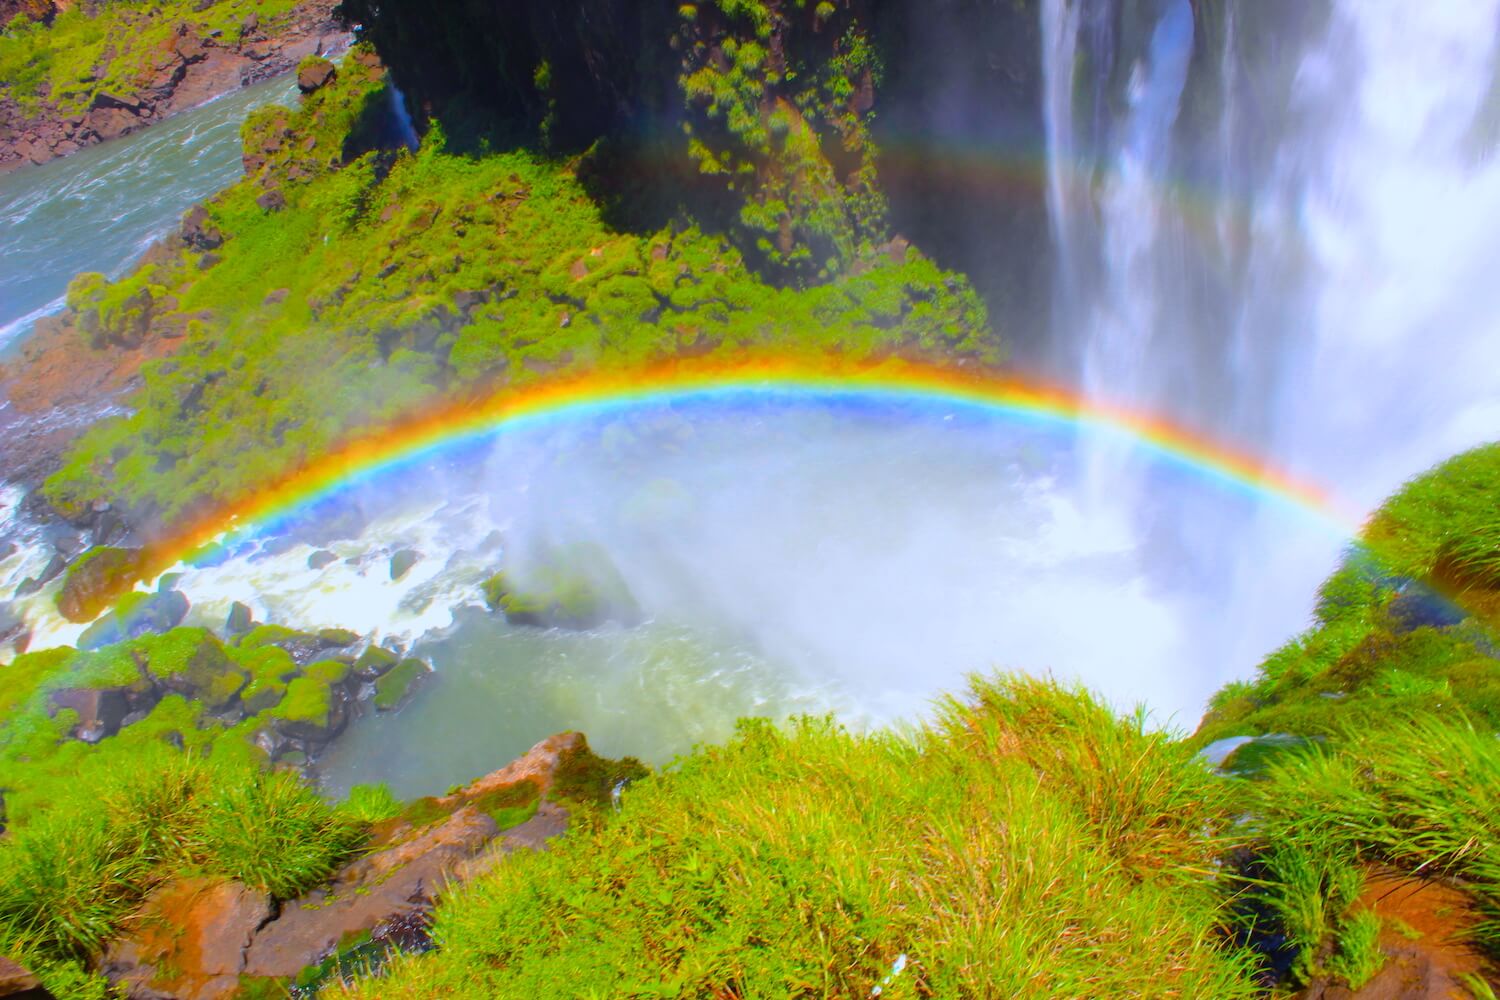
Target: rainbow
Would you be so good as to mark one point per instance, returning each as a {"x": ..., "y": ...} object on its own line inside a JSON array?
[{"x": 750, "y": 379}]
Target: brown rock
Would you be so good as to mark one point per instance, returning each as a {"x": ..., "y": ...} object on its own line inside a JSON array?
[
  {"x": 1433, "y": 964},
  {"x": 100, "y": 710},
  {"x": 94, "y": 582},
  {"x": 17, "y": 980},
  {"x": 111, "y": 123},
  {"x": 314, "y": 73},
  {"x": 188, "y": 941},
  {"x": 539, "y": 766},
  {"x": 271, "y": 201},
  {"x": 397, "y": 881},
  {"x": 198, "y": 230}
]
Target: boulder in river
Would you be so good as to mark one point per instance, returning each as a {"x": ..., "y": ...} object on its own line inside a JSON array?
[
  {"x": 403, "y": 561},
  {"x": 137, "y": 614},
  {"x": 393, "y": 689},
  {"x": 241, "y": 619},
  {"x": 95, "y": 580}
]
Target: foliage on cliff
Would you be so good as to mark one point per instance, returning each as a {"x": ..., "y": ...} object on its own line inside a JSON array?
[
  {"x": 1028, "y": 843},
  {"x": 1406, "y": 623},
  {"x": 341, "y": 286},
  {"x": 115, "y": 48}
]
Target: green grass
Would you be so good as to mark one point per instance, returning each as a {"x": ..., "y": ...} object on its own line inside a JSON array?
[
  {"x": 1030, "y": 844},
  {"x": 129, "y": 821}
]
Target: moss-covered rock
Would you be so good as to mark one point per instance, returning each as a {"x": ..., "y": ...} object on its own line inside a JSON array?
[
  {"x": 574, "y": 587},
  {"x": 375, "y": 661},
  {"x": 393, "y": 689}
]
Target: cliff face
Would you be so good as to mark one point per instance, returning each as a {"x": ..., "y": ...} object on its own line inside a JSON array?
[{"x": 761, "y": 118}]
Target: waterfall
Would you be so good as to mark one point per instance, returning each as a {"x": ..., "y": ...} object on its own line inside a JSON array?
[
  {"x": 406, "y": 132},
  {"x": 1278, "y": 232},
  {"x": 1310, "y": 280}
]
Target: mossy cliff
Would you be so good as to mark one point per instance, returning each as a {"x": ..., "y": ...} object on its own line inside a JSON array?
[{"x": 345, "y": 283}]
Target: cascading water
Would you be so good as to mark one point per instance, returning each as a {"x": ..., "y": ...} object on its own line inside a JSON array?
[{"x": 1303, "y": 269}]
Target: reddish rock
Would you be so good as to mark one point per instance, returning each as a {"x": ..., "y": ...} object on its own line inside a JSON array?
[
  {"x": 539, "y": 767},
  {"x": 189, "y": 941},
  {"x": 1433, "y": 964}
]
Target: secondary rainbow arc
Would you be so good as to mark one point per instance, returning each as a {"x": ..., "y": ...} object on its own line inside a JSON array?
[{"x": 775, "y": 378}]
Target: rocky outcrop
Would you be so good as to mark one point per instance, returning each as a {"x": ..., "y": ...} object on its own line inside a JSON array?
[
  {"x": 191, "y": 70},
  {"x": 202, "y": 939},
  {"x": 385, "y": 885},
  {"x": 189, "y": 941}
]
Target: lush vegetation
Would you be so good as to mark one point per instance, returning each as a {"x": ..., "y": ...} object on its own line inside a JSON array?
[
  {"x": 346, "y": 288},
  {"x": 78, "y": 55},
  {"x": 1029, "y": 844},
  {"x": 1405, "y": 624}
]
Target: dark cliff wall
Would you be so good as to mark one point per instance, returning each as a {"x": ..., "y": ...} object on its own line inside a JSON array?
[{"x": 760, "y": 118}]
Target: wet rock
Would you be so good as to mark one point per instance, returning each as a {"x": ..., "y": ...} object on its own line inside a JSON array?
[
  {"x": 1424, "y": 940},
  {"x": 136, "y": 615},
  {"x": 393, "y": 689},
  {"x": 377, "y": 888},
  {"x": 50, "y": 572},
  {"x": 403, "y": 561},
  {"x": 374, "y": 662},
  {"x": 241, "y": 619},
  {"x": 338, "y": 638},
  {"x": 1419, "y": 606},
  {"x": 101, "y": 711},
  {"x": 314, "y": 73},
  {"x": 320, "y": 559},
  {"x": 95, "y": 580},
  {"x": 189, "y": 942}
]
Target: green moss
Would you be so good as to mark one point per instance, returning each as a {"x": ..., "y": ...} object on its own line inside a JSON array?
[
  {"x": 375, "y": 660},
  {"x": 307, "y": 701},
  {"x": 393, "y": 689}
]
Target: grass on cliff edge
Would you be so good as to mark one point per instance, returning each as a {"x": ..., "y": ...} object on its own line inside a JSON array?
[{"x": 1029, "y": 843}]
